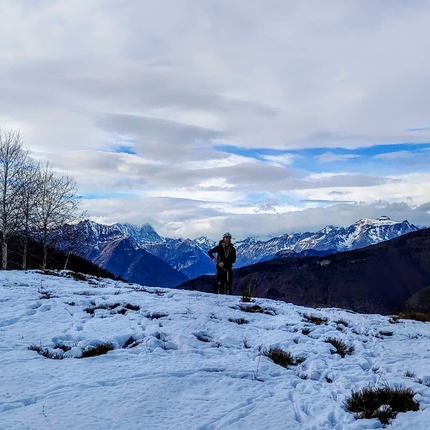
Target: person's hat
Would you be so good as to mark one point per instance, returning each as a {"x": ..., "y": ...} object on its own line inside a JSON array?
[{"x": 227, "y": 234}]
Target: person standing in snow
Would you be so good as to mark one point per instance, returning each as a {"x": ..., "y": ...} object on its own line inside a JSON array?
[{"x": 226, "y": 257}]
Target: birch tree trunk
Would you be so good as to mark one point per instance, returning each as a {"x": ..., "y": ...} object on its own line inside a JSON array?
[{"x": 12, "y": 167}]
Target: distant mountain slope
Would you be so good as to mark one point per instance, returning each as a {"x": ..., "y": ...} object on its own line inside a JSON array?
[
  {"x": 137, "y": 265},
  {"x": 95, "y": 236},
  {"x": 363, "y": 233},
  {"x": 187, "y": 256},
  {"x": 57, "y": 259},
  {"x": 190, "y": 257},
  {"x": 375, "y": 279}
]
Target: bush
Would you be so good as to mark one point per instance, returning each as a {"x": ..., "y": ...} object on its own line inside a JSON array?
[
  {"x": 343, "y": 322},
  {"x": 131, "y": 307},
  {"x": 46, "y": 352},
  {"x": 283, "y": 358},
  {"x": 100, "y": 349},
  {"x": 203, "y": 337},
  {"x": 386, "y": 333},
  {"x": 123, "y": 307},
  {"x": 341, "y": 348},
  {"x": 44, "y": 294},
  {"x": 414, "y": 315},
  {"x": 63, "y": 347},
  {"x": 156, "y": 315},
  {"x": 256, "y": 309},
  {"x": 78, "y": 276},
  {"x": 381, "y": 403},
  {"x": 315, "y": 319},
  {"x": 239, "y": 320},
  {"x": 131, "y": 342}
]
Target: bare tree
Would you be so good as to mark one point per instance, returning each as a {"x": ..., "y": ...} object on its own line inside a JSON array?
[
  {"x": 13, "y": 160},
  {"x": 57, "y": 204},
  {"x": 28, "y": 201},
  {"x": 73, "y": 235}
]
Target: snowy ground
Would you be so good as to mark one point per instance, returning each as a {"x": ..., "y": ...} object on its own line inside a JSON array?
[{"x": 169, "y": 379}]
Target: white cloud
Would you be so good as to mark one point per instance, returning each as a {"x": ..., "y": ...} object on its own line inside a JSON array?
[
  {"x": 280, "y": 160},
  {"x": 178, "y": 79},
  {"x": 400, "y": 155},
  {"x": 330, "y": 157}
]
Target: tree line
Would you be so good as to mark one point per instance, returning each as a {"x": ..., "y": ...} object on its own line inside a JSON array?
[{"x": 35, "y": 201}]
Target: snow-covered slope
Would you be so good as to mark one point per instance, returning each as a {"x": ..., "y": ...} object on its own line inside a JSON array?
[
  {"x": 101, "y": 233},
  {"x": 181, "y": 360},
  {"x": 363, "y": 233}
]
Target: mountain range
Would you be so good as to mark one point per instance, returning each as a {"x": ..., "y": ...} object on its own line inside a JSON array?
[
  {"x": 384, "y": 278},
  {"x": 141, "y": 255}
]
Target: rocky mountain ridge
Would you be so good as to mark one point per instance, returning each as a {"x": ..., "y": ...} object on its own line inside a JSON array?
[
  {"x": 188, "y": 257},
  {"x": 383, "y": 278}
]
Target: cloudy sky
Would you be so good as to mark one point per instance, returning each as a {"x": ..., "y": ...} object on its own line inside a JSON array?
[{"x": 200, "y": 116}]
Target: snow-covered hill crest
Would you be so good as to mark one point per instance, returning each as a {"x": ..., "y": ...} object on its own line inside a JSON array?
[{"x": 189, "y": 360}]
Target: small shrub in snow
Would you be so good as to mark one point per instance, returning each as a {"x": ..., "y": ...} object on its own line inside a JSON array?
[
  {"x": 386, "y": 333},
  {"x": 239, "y": 320},
  {"x": 256, "y": 309},
  {"x": 63, "y": 347},
  {"x": 283, "y": 358},
  {"x": 47, "y": 352},
  {"x": 306, "y": 331},
  {"x": 131, "y": 342},
  {"x": 49, "y": 272},
  {"x": 78, "y": 276},
  {"x": 414, "y": 315},
  {"x": 122, "y": 307},
  {"x": 409, "y": 374},
  {"x": 156, "y": 315},
  {"x": 44, "y": 294},
  {"x": 252, "y": 309},
  {"x": 381, "y": 403},
  {"x": 100, "y": 349},
  {"x": 425, "y": 382},
  {"x": 131, "y": 307},
  {"x": 341, "y": 348},
  {"x": 203, "y": 337},
  {"x": 342, "y": 322},
  {"x": 315, "y": 319}
]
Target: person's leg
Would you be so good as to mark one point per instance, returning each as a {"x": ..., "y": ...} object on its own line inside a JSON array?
[
  {"x": 229, "y": 281},
  {"x": 221, "y": 280},
  {"x": 220, "y": 287}
]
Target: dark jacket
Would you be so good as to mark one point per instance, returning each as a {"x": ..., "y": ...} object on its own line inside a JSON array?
[{"x": 225, "y": 254}]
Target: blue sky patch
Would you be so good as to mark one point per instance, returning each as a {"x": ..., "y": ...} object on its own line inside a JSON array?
[
  {"x": 124, "y": 149},
  {"x": 112, "y": 195},
  {"x": 380, "y": 159}
]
